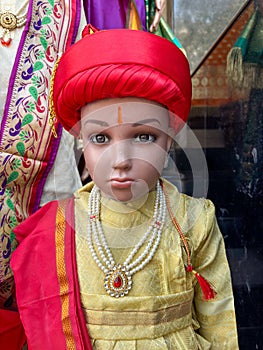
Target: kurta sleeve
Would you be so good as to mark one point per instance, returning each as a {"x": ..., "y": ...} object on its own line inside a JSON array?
[{"x": 216, "y": 317}]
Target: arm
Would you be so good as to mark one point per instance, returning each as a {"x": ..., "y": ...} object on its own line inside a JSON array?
[{"x": 216, "y": 317}]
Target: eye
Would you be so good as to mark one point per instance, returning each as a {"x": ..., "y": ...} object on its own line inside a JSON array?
[
  {"x": 99, "y": 139},
  {"x": 145, "y": 138}
]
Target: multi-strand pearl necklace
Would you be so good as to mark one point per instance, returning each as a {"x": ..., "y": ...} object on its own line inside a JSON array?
[
  {"x": 9, "y": 21},
  {"x": 118, "y": 277}
]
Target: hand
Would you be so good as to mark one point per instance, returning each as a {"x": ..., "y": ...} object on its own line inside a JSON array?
[{"x": 159, "y": 6}]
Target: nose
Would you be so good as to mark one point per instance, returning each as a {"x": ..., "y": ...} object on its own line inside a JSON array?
[
  {"x": 123, "y": 165},
  {"x": 121, "y": 156}
]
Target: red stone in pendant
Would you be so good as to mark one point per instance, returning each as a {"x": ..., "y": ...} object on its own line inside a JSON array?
[
  {"x": 6, "y": 43},
  {"x": 118, "y": 282}
]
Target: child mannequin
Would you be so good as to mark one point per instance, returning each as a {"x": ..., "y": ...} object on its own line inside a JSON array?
[{"x": 112, "y": 268}]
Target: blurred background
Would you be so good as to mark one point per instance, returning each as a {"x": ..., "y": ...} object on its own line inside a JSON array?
[{"x": 223, "y": 40}]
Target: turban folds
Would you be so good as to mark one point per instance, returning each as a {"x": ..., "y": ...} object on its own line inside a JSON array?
[{"x": 121, "y": 63}]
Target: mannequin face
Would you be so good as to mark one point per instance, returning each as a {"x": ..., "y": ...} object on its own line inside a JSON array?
[{"x": 125, "y": 144}]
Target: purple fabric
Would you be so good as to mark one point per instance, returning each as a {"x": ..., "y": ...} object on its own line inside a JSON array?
[{"x": 111, "y": 14}]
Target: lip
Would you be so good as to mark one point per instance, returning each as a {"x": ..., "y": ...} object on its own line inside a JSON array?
[{"x": 117, "y": 182}]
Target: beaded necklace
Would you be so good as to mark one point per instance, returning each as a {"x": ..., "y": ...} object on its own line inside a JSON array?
[{"x": 118, "y": 276}]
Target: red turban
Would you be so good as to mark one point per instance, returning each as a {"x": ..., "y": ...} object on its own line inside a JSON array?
[{"x": 121, "y": 63}]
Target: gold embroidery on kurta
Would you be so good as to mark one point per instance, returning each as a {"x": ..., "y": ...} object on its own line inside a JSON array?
[{"x": 139, "y": 317}]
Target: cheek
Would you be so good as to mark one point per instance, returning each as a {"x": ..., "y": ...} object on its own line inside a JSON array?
[
  {"x": 153, "y": 156},
  {"x": 88, "y": 164},
  {"x": 148, "y": 174},
  {"x": 90, "y": 156},
  {"x": 97, "y": 160}
]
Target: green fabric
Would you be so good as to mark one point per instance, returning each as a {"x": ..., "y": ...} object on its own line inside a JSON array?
[
  {"x": 147, "y": 14},
  {"x": 245, "y": 59},
  {"x": 150, "y": 11},
  {"x": 243, "y": 40},
  {"x": 250, "y": 41},
  {"x": 254, "y": 52},
  {"x": 168, "y": 33}
]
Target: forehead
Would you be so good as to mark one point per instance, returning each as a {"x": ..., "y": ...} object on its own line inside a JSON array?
[{"x": 114, "y": 111}]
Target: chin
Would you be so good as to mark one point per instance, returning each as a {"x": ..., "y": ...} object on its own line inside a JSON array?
[
  {"x": 125, "y": 192},
  {"x": 123, "y": 195}
]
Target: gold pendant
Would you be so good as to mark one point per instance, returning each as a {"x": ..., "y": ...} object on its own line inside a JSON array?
[
  {"x": 8, "y": 20},
  {"x": 118, "y": 281}
]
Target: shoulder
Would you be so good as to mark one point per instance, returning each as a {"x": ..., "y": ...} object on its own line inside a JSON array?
[
  {"x": 81, "y": 196},
  {"x": 84, "y": 191},
  {"x": 195, "y": 216},
  {"x": 188, "y": 207}
]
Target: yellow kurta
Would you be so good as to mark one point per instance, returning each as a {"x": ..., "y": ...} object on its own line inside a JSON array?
[{"x": 165, "y": 308}]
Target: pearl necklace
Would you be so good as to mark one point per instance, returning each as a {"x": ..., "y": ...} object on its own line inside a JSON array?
[
  {"x": 9, "y": 21},
  {"x": 118, "y": 277}
]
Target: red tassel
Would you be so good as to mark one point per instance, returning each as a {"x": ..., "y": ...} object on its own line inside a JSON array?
[{"x": 207, "y": 290}]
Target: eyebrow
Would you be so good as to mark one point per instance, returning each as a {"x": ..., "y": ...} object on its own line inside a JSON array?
[
  {"x": 140, "y": 122},
  {"x": 95, "y": 121},
  {"x": 146, "y": 121}
]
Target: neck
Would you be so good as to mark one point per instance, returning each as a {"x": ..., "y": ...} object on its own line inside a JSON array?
[{"x": 128, "y": 207}]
